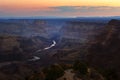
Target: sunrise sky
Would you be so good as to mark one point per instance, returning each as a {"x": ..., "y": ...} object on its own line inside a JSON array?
[{"x": 59, "y": 8}]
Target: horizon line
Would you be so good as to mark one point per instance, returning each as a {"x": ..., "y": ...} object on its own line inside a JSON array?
[{"x": 53, "y": 17}]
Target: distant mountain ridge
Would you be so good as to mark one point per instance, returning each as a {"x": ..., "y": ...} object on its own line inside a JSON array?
[{"x": 24, "y": 28}]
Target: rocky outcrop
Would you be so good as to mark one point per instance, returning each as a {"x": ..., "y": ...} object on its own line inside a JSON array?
[{"x": 104, "y": 51}]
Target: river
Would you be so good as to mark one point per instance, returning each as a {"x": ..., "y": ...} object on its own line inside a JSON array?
[{"x": 35, "y": 58}]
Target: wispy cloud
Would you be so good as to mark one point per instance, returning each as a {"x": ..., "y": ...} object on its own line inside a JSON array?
[
  {"x": 85, "y": 8},
  {"x": 61, "y": 11}
]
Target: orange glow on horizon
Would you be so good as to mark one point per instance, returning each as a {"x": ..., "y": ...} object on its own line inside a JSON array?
[
  {"x": 43, "y": 7},
  {"x": 47, "y": 3}
]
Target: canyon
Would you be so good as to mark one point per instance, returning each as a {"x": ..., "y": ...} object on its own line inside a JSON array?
[{"x": 35, "y": 44}]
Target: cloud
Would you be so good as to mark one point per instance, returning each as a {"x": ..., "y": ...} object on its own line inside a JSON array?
[
  {"x": 85, "y": 8},
  {"x": 61, "y": 11}
]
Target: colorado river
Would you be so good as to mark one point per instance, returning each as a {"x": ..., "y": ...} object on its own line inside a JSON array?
[
  {"x": 35, "y": 58},
  {"x": 54, "y": 43}
]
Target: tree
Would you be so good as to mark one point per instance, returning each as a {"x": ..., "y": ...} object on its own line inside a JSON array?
[
  {"x": 54, "y": 72},
  {"x": 80, "y": 67}
]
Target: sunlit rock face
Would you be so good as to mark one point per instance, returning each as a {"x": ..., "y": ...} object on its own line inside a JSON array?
[
  {"x": 81, "y": 32},
  {"x": 104, "y": 50}
]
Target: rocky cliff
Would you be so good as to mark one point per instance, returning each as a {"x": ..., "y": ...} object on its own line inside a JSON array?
[
  {"x": 26, "y": 28},
  {"x": 20, "y": 48},
  {"x": 104, "y": 51},
  {"x": 77, "y": 31}
]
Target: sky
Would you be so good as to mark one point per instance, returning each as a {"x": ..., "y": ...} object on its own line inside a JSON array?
[{"x": 59, "y": 8}]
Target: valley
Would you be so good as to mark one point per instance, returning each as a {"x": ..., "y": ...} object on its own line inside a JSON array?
[{"x": 34, "y": 49}]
